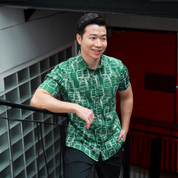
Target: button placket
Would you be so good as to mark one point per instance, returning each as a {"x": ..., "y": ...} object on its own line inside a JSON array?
[{"x": 98, "y": 95}]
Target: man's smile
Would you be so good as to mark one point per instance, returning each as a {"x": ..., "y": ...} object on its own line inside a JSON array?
[{"x": 96, "y": 51}]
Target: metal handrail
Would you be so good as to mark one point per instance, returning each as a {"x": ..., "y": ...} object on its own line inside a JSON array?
[
  {"x": 136, "y": 119},
  {"x": 31, "y": 108},
  {"x": 36, "y": 109}
]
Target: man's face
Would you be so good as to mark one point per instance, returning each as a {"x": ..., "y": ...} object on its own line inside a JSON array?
[{"x": 93, "y": 43}]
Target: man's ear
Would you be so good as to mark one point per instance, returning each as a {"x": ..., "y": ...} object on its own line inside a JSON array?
[{"x": 79, "y": 39}]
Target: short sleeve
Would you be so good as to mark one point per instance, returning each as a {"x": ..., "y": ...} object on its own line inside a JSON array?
[
  {"x": 124, "y": 78},
  {"x": 53, "y": 82}
]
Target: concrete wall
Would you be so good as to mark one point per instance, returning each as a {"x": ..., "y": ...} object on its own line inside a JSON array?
[{"x": 22, "y": 41}]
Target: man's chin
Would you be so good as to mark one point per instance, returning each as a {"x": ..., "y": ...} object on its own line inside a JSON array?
[{"x": 96, "y": 57}]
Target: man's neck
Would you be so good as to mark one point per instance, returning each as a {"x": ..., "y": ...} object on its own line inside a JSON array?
[{"x": 92, "y": 63}]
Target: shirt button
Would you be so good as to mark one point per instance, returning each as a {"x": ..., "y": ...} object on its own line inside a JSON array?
[
  {"x": 97, "y": 102},
  {"x": 99, "y": 117},
  {"x": 94, "y": 72},
  {"x": 96, "y": 87},
  {"x": 101, "y": 132}
]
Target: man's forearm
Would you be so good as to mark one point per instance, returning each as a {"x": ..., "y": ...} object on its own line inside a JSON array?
[
  {"x": 126, "y": 111},
  {"x": 43, "y": 99},
  {"x": 126, "y": 106}
]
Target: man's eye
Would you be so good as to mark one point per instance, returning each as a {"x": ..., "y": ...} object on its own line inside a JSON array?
[{"x": 103, "y": 38}]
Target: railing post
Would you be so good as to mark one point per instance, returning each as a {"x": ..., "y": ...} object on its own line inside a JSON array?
[
  {"x": 126, "y": 158},
  {"x": 155, "y": 162},
  {"x": 63, "y": 136}
]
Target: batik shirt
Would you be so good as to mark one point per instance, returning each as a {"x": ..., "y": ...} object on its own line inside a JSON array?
[{"x": 96, "y": 90}]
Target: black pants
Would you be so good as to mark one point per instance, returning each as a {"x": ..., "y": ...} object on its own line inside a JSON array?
[{"x": 79, "y": 165}]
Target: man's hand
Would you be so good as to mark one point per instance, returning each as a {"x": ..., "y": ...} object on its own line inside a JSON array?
[
  {"x": 123, "y": 135},
  {"x": 85, "y": 114}
]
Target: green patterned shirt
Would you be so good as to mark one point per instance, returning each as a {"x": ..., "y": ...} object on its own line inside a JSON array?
[{"x": 94, "y": 89}]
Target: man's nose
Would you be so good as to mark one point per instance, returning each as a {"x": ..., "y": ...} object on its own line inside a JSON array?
[{"x": 98, "y": 43}]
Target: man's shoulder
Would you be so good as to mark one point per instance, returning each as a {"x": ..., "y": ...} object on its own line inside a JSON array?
[
  {"x": 114, "y": 62},
  {"x": 68, "y": 63}
]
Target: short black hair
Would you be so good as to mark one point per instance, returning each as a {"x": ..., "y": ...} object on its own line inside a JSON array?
[{"x": 87, "y": 19}]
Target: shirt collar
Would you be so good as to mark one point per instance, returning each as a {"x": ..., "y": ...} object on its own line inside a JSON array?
[
  {"x": 82, "y": 65},
  {"x": 102, "y": 62}
]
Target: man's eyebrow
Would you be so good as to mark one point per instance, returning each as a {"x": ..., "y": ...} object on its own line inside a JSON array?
[{"x": 96, "y": 34}]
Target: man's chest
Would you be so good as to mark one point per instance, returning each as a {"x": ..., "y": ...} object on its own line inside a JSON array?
[{"x": 91, "y": 84}]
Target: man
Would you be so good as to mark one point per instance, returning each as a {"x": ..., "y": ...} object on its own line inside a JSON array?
[{"x": 89, "y": 83}]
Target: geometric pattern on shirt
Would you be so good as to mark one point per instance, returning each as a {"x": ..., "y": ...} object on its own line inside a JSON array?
[{"x": 95, "y": 90}]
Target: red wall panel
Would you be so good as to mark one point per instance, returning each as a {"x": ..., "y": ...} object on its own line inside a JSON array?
[
  {"x": 152, "y": 53},
  {"x": 147, "y": 52}
]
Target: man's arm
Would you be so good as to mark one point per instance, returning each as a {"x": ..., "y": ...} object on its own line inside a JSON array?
[
  {"x": 44, "y": 99},
  {"x": 126, "y": 105}
]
